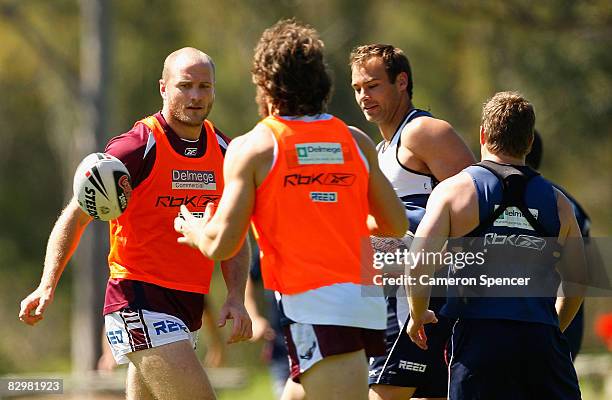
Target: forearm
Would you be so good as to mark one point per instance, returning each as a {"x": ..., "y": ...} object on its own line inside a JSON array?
[
  {"x": 63, "y": 241},
  {"x": 217, "y": 242},
  {"x": 418, "y": 295},
  {"x": 567, "y": 307},
  {"x": 250, "y": 302},
  {"x": 235, "y": 271}
]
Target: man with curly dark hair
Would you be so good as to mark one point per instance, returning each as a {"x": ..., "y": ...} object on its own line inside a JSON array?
[{"x": 314, "y": 192}]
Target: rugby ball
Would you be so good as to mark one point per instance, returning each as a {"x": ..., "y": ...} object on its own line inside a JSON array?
[{"x": 102, "y": 186}]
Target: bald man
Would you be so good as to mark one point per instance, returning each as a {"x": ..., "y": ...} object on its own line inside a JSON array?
[{"x": 155, "y": 293}]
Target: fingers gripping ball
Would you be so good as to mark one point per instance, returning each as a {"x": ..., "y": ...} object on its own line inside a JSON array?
[{"x": 102, "y": 186}]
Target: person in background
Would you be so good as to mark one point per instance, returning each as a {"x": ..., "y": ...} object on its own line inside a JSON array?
[{"x": 575, "y": 331}]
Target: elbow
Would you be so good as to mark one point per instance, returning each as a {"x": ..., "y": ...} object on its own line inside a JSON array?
[
  {"x": 403, "y": 226},
  {"x": 218, "y": 250},
  {"x": 396, "y": 227},
  {"x": 399, "y": 227},
  {"x": 216, "y": 253}
]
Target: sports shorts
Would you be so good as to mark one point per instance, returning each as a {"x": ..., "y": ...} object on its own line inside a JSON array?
[
  {"x": 130, "y": 330},
  {"x": 509, "y": 360},
  {"x": 308, "y": 344},
  {"x": 405, "y": 364}
]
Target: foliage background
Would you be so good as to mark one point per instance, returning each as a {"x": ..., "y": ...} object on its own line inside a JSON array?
[{"x": 557, "y": 53}]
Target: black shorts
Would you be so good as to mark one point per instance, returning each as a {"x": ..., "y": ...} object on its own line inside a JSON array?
[
  {"x": 513, "y": 360},
  {"x": 405, "y": 364}
]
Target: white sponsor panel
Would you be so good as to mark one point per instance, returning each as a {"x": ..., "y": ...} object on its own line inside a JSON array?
[
  {"x": 195, "y": 180},
  {"x": 319, "y": 153},
  {"x": 512, "y": 217},
  {"x": 324, "y": 197}
]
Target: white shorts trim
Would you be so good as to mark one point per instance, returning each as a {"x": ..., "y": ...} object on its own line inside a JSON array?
[
  {"x": 306, "y": 345},
  {"x": 128, "y": 331}
]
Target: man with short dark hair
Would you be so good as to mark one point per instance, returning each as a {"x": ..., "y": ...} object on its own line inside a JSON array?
[
  {"x": 416, "y": 153},
  {"x": 503, "y": 346}
]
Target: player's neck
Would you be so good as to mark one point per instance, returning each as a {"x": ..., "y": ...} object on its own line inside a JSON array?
[
  {"x": 502, "y": 158},
  {"x": 182, "y": 130},
  {"x": 388, "y": 128}
]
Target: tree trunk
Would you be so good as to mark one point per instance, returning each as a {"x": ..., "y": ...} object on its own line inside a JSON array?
[{"x": 90, "y": 273}]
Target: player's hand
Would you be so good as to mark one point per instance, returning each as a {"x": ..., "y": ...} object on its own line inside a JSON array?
[
  {"x": 262, "y": 329},
  {"x": 416, "y": 328},
  {"x": 241, "y": 322},
  {"x": 191, "y": 227},
  {"x": 33, "y": 307},
  {"x": 106, "y": 362},
  {"x": 215, "y": 354}
]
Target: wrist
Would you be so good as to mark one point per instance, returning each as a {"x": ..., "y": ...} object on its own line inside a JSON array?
[
  {"x": 235, "y": 296},
  {"x": 46, "y": 286}
]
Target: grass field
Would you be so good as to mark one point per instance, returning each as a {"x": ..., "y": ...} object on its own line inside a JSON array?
[{"x": 259, "y": 388}]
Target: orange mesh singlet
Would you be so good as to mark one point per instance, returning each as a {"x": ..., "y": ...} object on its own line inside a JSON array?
[
  {"x": 311, "y": 210},
  {"x": 143, "y": 240}
]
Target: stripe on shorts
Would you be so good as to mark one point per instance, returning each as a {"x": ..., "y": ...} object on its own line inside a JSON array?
[{"x": 136, "y": 329}]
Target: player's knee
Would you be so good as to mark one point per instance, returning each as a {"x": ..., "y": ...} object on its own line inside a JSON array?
[{"x": 388, "y": 392}]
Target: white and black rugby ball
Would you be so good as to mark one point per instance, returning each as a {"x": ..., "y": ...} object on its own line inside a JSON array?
[{"x": 102, "y": 186}]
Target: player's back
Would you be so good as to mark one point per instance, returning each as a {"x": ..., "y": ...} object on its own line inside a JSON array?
[{"x": 311, "y": 209}]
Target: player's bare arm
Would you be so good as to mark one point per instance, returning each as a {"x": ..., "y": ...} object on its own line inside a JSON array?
[
  {"x": 432, "y": 146},
  {"x": 220, "y": 236},
  {"x": 235, "y": 271},
  {"x": 431, "y": 235},
  {"x": 387, "y": 213},
  {"x": 63, "y": 241},
  {"x": 572, "y": 266}
]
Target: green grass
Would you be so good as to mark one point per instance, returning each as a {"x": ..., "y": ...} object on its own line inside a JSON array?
[{"x": 259, "y": 388}]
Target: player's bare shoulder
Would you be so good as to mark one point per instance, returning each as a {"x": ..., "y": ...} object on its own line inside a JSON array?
[
  {"x": 258, "y": 142},
  {"x": 454, "y": 187},
  {"x": 569, "y": 225},
  {"x": 360, "y": 137},
  {"x": 253, "y": 151},
  {"x": 365, "y": 143},
  {"x": 424, "y": 131}
]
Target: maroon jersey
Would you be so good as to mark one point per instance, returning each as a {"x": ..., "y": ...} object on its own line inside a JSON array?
[{"x": 136, "y": 149}]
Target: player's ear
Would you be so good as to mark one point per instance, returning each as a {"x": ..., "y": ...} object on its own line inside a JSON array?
[
  {"x": 531, "y": 140},
  {"x": 483, "y": 138},
  {"x": 401, "y": 80},
  {"x": 162, "y": 89}
]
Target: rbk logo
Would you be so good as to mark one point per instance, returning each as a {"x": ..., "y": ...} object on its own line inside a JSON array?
[
  {"x": 525, "y": 241},
  {"x": 332, "y": 178},
  {"x": 193, "y": 201},
  {"x": 191, "y": 151}
]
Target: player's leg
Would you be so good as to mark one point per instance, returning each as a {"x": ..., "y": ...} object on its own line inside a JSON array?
[
  {"x": 489, "y": 360},
  {"x": 172, "y": 371},
  {"x": 331, "y": 361},
  {"x": 550, "y": 373},
  {"x": 387, "y": 392},
  {"x": 135, "y": 389},
  {"x": 293, "y": 391},
  {"x": 338, "y": 377},
  {"x": 161, "y": 349}
]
